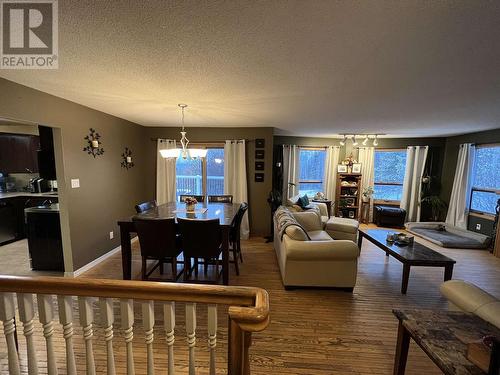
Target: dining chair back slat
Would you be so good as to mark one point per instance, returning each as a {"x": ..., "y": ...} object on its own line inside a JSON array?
[
  {"x": 220, "y": 198},
  {"x": 200, "y": 238}
]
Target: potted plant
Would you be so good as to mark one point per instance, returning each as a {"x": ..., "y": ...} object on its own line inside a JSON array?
[
  {"x": 190, "y": 204},
  {"x": 367, "y": 194},
  {"x": 438, "y": 206}
]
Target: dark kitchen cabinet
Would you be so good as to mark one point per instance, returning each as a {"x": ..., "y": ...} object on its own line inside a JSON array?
[
  {"x": 18, "y": 152},
  {"x": 46, "y": 158},
  {"x": 44, "y": 238}
]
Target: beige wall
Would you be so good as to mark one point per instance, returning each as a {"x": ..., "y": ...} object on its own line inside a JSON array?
[
  {"x": 259, "y": 211},
  {"x": 108, "y": 192}
]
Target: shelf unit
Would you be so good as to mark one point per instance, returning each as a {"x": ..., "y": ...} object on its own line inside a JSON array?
[{"x": 348, "y": 195}]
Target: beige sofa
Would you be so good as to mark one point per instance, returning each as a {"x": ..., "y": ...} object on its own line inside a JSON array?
[
  {"x": 464, "y": 296},
  {"x": 308, "y": 256}
]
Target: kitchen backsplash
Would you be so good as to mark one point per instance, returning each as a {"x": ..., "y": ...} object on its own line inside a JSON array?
[{"x": 22, "y": 179}]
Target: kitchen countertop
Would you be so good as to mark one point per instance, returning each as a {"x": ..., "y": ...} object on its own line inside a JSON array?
[
  {"x": 27, "y": 194},
  {"x": 53, "y": 208}
]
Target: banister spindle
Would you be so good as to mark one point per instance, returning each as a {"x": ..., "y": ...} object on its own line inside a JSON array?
[
  {"x": 7, "y": 315},
  {"x": 107, "y": 320},
  {"x": 65, "y": 304},
  {"x": 127, "y": 316},
  {"x": 191, "y": 335},
  {"x": 86, "y": 320},
  {"x": 45, "y": 315},
  {"x": 212, "y": 335},
  {"x": 169, "y": 317},
  {"x": 26, "y": 315},
  {"x": 148, "y": 320}
]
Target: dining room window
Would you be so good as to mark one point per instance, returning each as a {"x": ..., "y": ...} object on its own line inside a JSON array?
[
  {"x": 203, "y": 176},
  {"x": 389, "y": 173},
  {"x": 312, "y": 170},
  {"x": 485, "y": 179}
]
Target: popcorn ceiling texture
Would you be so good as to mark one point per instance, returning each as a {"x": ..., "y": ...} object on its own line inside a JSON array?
[{"x": 409, "y": 68}]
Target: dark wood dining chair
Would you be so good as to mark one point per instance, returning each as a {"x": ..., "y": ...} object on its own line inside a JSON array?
[
  {"x": 234, "y": 236},
  {"x": 159, "y": 241},
  {"x": 200, "y": 239},
  {"x": 199, "y": 198},
  {"x": 220, "y": 198},
  {"x": 145, "y": 206}
]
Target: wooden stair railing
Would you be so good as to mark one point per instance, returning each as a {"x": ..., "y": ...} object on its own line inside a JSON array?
[{"x": 248, "y": 312}]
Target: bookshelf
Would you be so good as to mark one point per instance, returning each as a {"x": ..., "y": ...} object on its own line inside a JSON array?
[{"x": 348, "y": 195}]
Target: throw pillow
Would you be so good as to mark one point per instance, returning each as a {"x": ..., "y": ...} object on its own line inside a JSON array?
[
  {"x": 296, "y": 233},
  {"x": 303, "y": 201}
]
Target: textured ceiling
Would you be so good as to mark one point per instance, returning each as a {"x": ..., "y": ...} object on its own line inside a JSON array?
[{"x": 405, "y": 68}]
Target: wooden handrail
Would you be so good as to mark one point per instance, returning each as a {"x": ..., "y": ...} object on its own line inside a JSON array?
[{"x": 248, "y": 306}]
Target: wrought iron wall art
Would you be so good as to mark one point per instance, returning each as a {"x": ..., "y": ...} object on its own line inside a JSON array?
[
  {"x": 94, "y": 147},
  {"x": 127, "y": 159}
]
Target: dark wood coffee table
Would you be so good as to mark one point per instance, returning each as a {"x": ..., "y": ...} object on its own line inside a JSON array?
[{"x": 411, "y": 255}]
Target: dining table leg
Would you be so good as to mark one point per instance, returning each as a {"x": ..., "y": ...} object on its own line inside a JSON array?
[
  {"x": 225, "y": 256},
  {"x": 126, "y": 248}
]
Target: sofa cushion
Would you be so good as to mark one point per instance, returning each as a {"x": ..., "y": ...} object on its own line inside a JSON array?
[
  {"x": 296, "y": 233},
  {"x": 342, "y": 224},
  {"x": 319, "y": 235},
  {"x": 310, "y": 220}
]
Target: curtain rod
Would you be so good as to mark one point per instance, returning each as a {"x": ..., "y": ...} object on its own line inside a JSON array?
[{"x": 208, "y": 142}]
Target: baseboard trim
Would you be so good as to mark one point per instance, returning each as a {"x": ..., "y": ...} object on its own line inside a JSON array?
[{"x": 96, "y": 261}]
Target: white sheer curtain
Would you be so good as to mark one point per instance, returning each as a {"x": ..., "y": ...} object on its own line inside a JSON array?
[
  {"x": 366, "y": 156},
  {"x": 331, "y": 162},
  {"x": 165, "y": 173},
  {"x": 412, "y": 183},
  {"x": 235, "y": 177},
  {"x": 290, "y": 171},
  {"x": 459, "y": 200}
]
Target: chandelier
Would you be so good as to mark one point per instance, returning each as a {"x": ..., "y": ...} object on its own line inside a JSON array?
[{"x": 184, "y": 152}]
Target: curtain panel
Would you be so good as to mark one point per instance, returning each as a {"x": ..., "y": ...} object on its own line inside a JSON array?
[
  {"x": 366, "y": 156},
  {"x": 330, "y": 179},
  {"x": 235, "y": 178},
  {"x": 165, "y": 173},
  {"x": 458, "y": 209},
  {"x": 416, "y": 157},
  {"x": 290, "y": 171}
]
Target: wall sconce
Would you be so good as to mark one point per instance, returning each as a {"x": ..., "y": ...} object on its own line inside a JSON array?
[
  {"x": 127, "y": 162},
  {"x": 94, "y": 144}
]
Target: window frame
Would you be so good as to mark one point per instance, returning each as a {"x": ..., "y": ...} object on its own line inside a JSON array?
[
  {"x": 479, "y": 213},
  {"x": 387, "y": 201},
  {"x": 299, "y": 181},
  {"x": 204, "y": 176}
]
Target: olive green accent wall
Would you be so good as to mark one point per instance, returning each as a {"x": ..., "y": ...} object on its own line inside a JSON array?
[
  {"x": 107, "y": 192},
  {"x": 259, "y": 210}
]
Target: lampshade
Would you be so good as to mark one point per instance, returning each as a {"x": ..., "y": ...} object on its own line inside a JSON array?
[{"x": 170, "y": 152}]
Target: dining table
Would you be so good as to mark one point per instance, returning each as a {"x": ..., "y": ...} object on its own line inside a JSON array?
[{"x": 225, "y": 212}]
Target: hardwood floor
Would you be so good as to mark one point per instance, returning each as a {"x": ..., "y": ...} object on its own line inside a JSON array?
[{"x": 311, "y": 331}]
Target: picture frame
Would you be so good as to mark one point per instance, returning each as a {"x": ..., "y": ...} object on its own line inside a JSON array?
[
  {"x": 342, "y": 168},
  {"x": 356, "y": 168},
  {"x": 259, "y": 177},
  {"x": 260, "y": 143},
  {"x": 350, "y": 202},
  {"x": 259, "y": 154},
  {"x": 259, "y": 165},
  {"x": 351, "y": 215}
]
